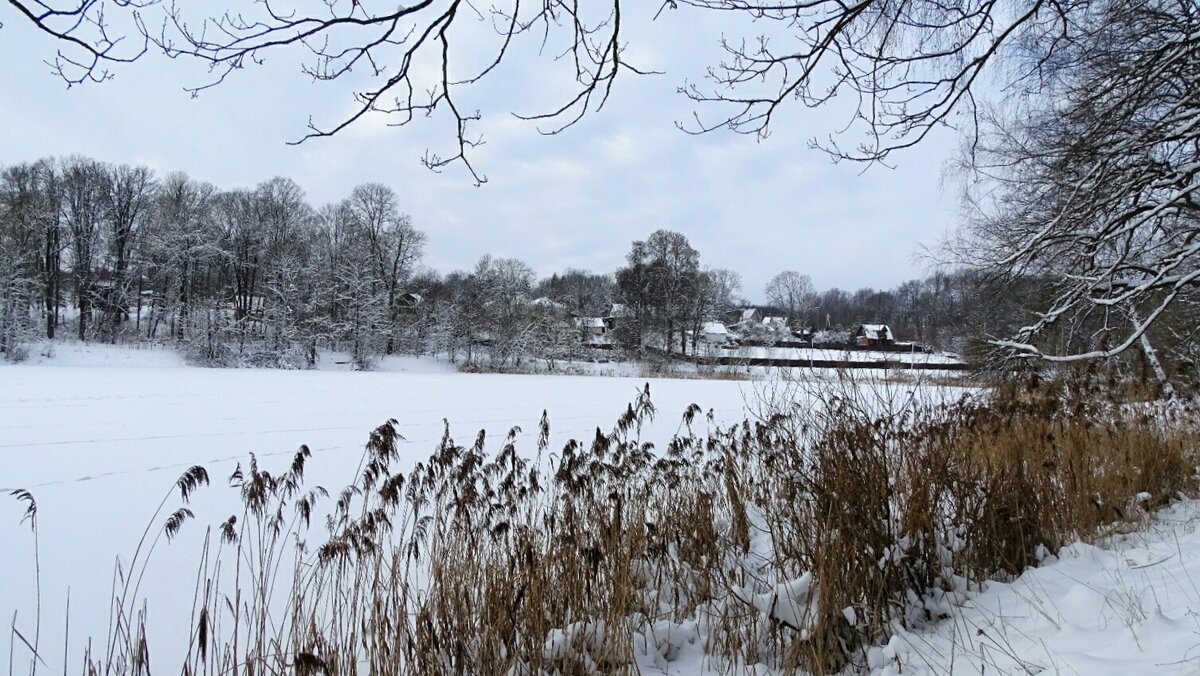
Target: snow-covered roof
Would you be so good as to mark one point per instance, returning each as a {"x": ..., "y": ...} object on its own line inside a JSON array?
[
  {"x": 546, "y": 302},
  {"x": 877, "y": 331},
  {"x": 714, "y": 328},
  {"x": 749, "y": 313},
  {"x": 619, "y": 310},
  {"x": 775, "y": 321},
  {"x": 591, "y": 322}
]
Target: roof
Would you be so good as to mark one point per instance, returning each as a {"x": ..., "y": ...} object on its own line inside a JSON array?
[
  {"x": 714, "y": 328},
  {"x": 775, "y": 321},
  {"x": 877, "y": 331},
  {"x": 591, "y": 322},
  {"x": 619, "y": 310},
  {"x": 749, "y": 313}
]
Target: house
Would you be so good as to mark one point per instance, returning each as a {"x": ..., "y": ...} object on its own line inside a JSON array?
[
  {"x": 408, "y": 303},
  {"x": 547, "y": 304},
  {"x": 618, "y": 313},
  {"x": 749, "y": 315},
  {"x": 546, "y": 307},
  {"x": 777, "y": 325},
  {"x": 593, "y": 330},
  {"x": 747, "y": 322},
  {"x": 714, "y": 333},
  {"x": 872, "y": 335}
]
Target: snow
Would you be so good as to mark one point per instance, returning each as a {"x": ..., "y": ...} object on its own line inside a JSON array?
[
  {"x": 788, "y": 602},
  {"x": 99, "y": 354},
  {"x": 1127, "y": 605},
  {"x": 817, "y": 354},
  {"x": 101, "y": 442},
  {"x": 878, "y": 331}
]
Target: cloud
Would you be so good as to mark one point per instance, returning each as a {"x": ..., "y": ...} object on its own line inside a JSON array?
[{"x": 573, "y": 199}]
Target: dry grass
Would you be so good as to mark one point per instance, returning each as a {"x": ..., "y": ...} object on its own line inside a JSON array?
[{"x": 794, "y": 540}]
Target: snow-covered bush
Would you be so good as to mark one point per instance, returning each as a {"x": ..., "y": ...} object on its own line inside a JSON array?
[{"x": 832, "y": 337}]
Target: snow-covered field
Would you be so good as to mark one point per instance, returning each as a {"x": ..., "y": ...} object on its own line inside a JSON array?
[{"x": 99, "y": 435}]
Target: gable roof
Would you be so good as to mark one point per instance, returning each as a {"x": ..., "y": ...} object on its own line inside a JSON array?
[
  {"x": 619, "y": 310},
  {"x": 877, "y": 332}
]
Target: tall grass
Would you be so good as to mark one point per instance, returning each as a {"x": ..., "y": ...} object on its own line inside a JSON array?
[{"x": 797, "y": 539}]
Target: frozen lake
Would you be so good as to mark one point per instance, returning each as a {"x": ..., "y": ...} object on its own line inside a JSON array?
[{"x": 100, "y": 446}]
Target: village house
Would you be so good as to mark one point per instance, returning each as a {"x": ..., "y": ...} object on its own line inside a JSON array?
[
  {"x": 617, "y": 314},
  {"x": 746, "y": 322},
  {"x": 776, "y": 325},
  {"x": 714, "y": 333},
  {"x": 872, "y": 336},
  {"x": 593, "y": 330}
]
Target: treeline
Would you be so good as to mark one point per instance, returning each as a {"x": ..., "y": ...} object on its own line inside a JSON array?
[{"x": 114, "y": 253}]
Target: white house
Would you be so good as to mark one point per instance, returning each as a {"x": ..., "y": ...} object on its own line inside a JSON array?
[
  {"x": 776, "y": 324},
  {"x": 714, "y": 332},
  {"x": 593, "y": 330}
]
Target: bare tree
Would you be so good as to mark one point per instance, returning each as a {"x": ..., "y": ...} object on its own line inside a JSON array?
[
  {"x": 184, "y": 247},
  {"x": 910, "y": 65},
  {"x": 584, "y": 293},
  {"x": 91, "y": 35},
  {"x": 1094, "y": 184},
  {"x": 85, "y": 190},
  {"x": 30, "y": 202},
  {"x": 20, "y": 239},
  {"x": 495, "y": 302},
  {"x": 395, "y": 246},
  {"x": 714, "y": 298},
  {"x": 131, "y": 191},
  {"x": 660, "y": 284},
  {"x": 415, "y": 55},
  {"x": 793, "y": 293}
]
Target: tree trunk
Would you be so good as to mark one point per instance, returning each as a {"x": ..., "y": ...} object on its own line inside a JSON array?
[
  {"x": 1152, "y": 359},
  {"x": 83, "y": 301}
]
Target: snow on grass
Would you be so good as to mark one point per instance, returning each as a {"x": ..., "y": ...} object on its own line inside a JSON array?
[
  {"x": 65, "y": 353},
  {"x": 1128, "y": 605}
]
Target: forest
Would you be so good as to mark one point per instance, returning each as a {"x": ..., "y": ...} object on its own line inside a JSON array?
[{"x": 260, "y": 277}]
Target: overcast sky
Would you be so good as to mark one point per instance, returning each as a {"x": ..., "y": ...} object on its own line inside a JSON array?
[{"x": 573, "y": 200}]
